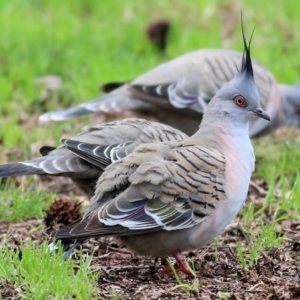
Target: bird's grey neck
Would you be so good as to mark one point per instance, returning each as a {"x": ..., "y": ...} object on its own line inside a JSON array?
[
  {"x": 217, "y": 126},
  {"x": 228, "y": 136}
]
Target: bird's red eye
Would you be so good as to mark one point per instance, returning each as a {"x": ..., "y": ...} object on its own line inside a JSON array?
[{"x": 240, "y": 101}]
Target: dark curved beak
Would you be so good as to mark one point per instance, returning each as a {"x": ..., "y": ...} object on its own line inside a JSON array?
[{"x": 261, "y": 113}]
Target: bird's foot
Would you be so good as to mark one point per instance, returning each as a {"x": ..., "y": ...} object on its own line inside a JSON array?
[{"x": 182, "y": 266}]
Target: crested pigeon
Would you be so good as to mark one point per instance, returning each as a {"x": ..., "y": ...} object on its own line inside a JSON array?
[
  {"x": 177, "y": 92},
  {"x": 168, "y": 197},
  {"x": 113, "y": 140}
]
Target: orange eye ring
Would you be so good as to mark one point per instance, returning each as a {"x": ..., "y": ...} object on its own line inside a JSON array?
[{"x": 239, "y": 100}]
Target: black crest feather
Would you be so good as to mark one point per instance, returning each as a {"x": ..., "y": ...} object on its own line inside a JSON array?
[{"x": 246, "y": 62}]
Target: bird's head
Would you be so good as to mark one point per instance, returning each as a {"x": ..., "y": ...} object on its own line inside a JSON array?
[{"x": 239, "y": 99}]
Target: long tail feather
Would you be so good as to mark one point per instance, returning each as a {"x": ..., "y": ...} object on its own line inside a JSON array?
[{"x": 18, "y": 169}]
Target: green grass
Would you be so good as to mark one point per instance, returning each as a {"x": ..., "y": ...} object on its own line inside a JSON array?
[
  {"x": 263, "y": 241},
  {"x": 89, "y": 42},
  {"x": 43, "y": 275},
  {"x": 23, "y": 202}
]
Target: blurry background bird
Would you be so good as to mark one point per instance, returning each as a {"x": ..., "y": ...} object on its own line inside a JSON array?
[{"x": 177, "y": 93}]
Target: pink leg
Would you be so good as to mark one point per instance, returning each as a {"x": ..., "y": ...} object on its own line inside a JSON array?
[
  {"x": 166, "y": 270},
  {"x": 182, "y": 266}
]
